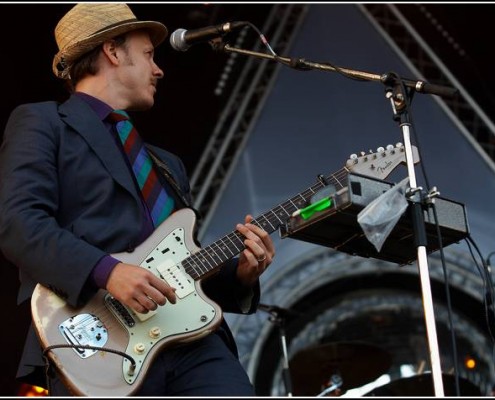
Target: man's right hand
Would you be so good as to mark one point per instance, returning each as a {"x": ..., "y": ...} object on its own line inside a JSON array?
[{"x": 138, "y": 288}]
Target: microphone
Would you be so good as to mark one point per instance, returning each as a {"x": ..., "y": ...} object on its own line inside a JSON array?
[{"x": 182, "y": 39}]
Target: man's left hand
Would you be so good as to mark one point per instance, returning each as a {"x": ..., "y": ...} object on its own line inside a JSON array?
[{"x": 258, "y": 254}]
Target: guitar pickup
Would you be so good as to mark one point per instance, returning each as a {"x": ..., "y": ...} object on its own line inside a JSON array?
[
  {"x": 125, "y": 314},
  {"x": 174, "y": 275}
]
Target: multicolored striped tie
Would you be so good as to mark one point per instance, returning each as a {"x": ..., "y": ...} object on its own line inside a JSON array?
[{"x": 159, "y": 203}]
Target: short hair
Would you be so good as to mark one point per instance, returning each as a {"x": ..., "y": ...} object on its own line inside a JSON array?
[{"x": 86, "y": 65}]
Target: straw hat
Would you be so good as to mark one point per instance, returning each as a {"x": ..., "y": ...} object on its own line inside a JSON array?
[{"x": 87, "y": 25}]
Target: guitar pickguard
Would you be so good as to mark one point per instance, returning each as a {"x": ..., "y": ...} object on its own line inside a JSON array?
[{"x": 189, "y": 314}]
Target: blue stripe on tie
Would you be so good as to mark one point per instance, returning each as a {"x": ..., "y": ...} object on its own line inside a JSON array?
[
  {"x": 166, "y": 209},
  {"x": 124, "y": 128},
  {"x": 142, "y": 167}
]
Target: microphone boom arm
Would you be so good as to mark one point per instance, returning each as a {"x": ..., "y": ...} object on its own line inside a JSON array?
[{"x": 304, "y": 65}]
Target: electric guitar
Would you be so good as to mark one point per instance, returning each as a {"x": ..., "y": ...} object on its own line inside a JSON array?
[{"x": 105, "y": 348}]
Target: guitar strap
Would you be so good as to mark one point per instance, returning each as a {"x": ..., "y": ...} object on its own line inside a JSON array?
[{"x": 165, "y": 171}]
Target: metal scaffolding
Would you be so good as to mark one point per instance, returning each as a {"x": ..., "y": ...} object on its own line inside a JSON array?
[
  {"x": 229, "y": 137},
  {"x": 418, "y": 55}
]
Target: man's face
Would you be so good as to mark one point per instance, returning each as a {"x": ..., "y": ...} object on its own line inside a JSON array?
[{"x": 138, "y": 73}]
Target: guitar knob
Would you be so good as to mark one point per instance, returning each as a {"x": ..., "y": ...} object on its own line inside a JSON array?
[
  {"x": 155, "y": 332},
  {"x": 139, "y": 348}
]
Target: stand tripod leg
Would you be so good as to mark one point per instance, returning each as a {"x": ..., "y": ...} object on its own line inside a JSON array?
[
  {"x": 430, "y": 324},
  {"x": 285, "y": 371}
]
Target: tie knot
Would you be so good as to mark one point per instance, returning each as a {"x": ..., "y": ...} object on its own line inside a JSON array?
[{"x": 118, "y": 115}]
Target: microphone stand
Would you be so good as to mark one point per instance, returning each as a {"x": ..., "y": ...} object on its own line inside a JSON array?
[
  {"x": 397, "y": 98},
  {"x": 278, "y": 316},
  {"x": 395, "y": 92}
]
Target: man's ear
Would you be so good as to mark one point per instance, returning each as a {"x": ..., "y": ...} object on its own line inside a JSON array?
[{"x": 110, "y": 50}]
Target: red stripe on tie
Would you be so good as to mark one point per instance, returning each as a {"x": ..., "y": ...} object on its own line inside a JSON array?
[
  {"x": 130, "y": 141},
  {"x": 151, "y": 180}
]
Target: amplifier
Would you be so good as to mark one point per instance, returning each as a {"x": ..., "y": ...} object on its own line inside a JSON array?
[{"x": 337, "y": 226}]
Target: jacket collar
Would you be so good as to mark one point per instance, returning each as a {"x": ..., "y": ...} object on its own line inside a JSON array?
[{"x": 76, "y": 113}]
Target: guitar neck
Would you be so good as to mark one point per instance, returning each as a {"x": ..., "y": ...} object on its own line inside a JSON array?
[{"x": 213, "y": 256}]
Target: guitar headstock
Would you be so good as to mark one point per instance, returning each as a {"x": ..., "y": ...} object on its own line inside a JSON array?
[{"x": 380, "y": 164}]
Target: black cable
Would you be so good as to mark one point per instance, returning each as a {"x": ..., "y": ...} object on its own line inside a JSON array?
[
  {"x": 487, "y": 286},
  {"x": 449, "y": 304},
  {"x": 299, "y": 63},
  {"x": 488, "y": 296},
  {"x": 87, "y": 347}
]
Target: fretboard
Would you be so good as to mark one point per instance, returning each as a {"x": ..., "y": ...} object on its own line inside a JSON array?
[{"x": 213, "y": 256}]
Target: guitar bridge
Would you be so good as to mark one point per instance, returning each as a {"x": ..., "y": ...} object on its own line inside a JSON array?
[{"x": 84, "y": 330}]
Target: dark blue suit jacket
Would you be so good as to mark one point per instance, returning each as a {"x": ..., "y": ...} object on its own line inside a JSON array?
[{"x": 67, "y": 198}]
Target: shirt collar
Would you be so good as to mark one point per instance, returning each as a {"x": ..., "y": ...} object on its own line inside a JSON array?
[{"x": 101, "y": 108}]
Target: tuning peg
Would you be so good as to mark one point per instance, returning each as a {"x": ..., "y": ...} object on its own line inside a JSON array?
[
  {"x": 390, "y": 147},
  {"x": 399, "y": 145},
  {"x": 353, "y": 159},
  {"x": 380, "y": 150}
]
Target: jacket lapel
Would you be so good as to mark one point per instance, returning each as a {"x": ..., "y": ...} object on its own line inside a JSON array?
[{"x": 74, "y": 112}]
